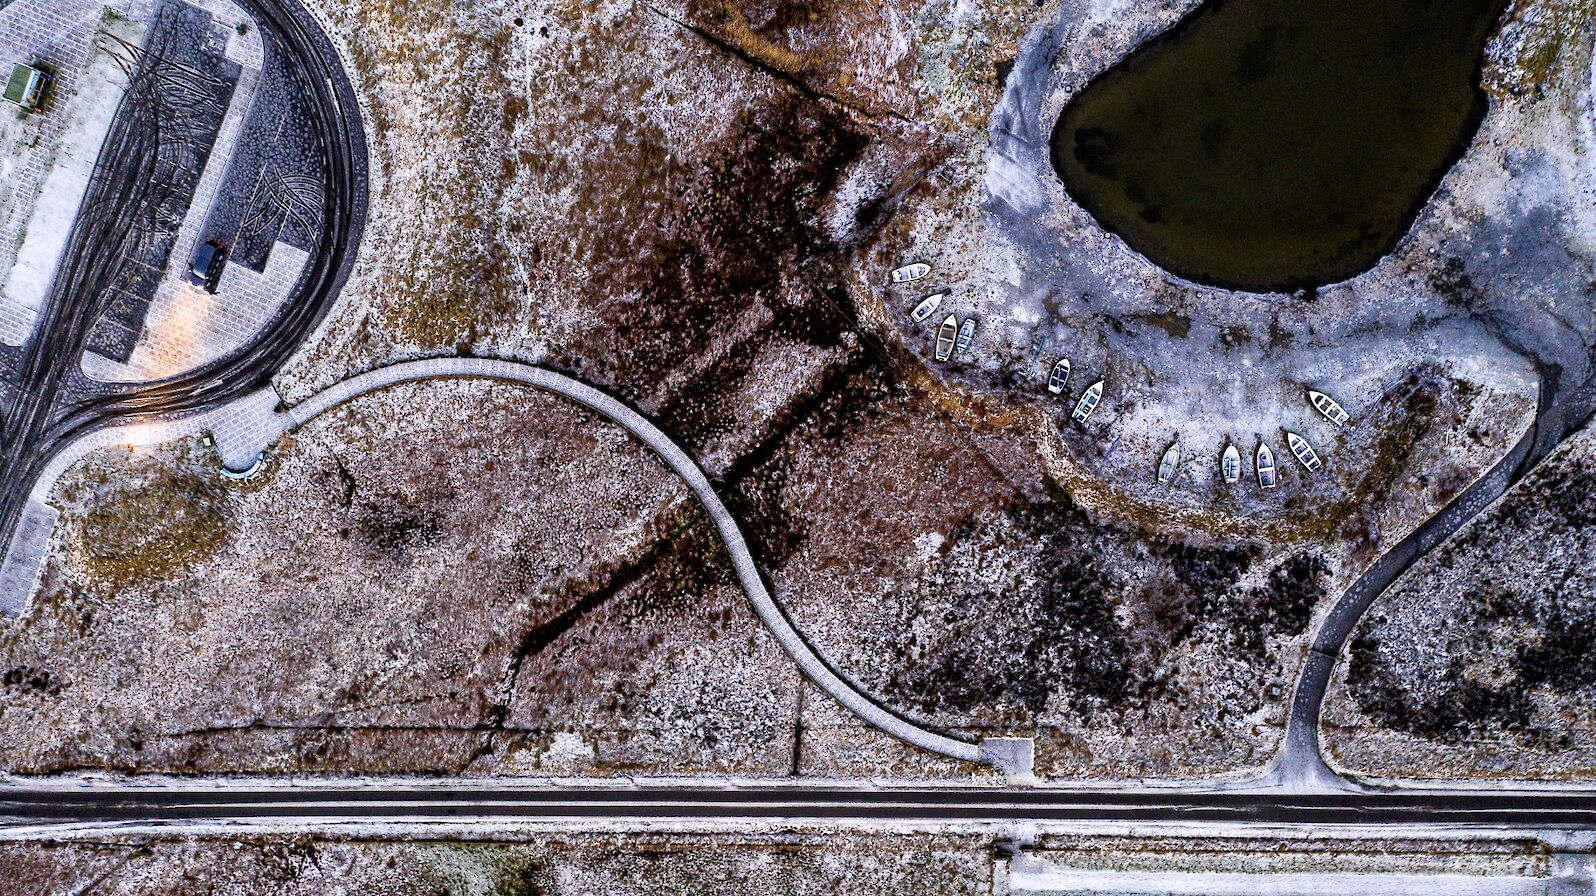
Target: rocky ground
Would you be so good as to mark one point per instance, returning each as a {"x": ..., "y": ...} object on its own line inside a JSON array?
[
  {"x": 693, "y": 206},
  {"x": 1477, "y": 663},
  {"x": 546, "y": 866}
]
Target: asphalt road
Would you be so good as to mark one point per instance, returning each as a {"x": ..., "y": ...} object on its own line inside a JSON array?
[{"x": 1525, "y": 811}]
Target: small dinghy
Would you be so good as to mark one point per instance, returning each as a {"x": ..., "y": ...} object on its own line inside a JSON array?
[
  {"x": 1328, "y": 407},
  {"x": 1265, "y": 463},
  {"x": 1088, "y": 402},
  {"x": 928, "y": 307},
  {"x": 1230, "y": 464},
  {"x": 1059, "y": 377},
  {"x": 1166, "y": 467},
  {"x": 910, "y": 272},
  {"x": 1304, "y": 452},
  {"x": 945, "y": 335},
  {"x": 966, "y": 336}
]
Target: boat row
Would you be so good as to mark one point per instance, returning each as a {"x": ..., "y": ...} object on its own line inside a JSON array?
[
  {"x": 954, "y": 338},
  {"x": 1264, "y": 457},
  {"x": 1059, "y": 376},
  {"x": 1230, "y": 461}
]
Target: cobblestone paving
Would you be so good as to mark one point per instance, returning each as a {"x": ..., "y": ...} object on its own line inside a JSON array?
[
  {"x": 60, "y": 34},
  {"x": 25, "y": 558},
  {"x": 183, "y": 327},
  {"x": 188, "y": 327},
  {"x": 185, "y": 104},
  {"x": 273, "y": 192}
]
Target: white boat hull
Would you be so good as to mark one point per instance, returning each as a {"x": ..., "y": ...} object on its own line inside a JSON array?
[
  {"x": 1088, "y": 402},
  {"x": 945, "y": 336},
  {"x": 1059, "y": 377},
  {"x": 1230, "y": 465},
  {"x": 1328, "y": 406},
  {"x": 1303, "y": 452},
  {"x": 1265, "y": 466},
  {"x": 966, "y": 336},
  {"x": 1166, "y": 467},
  {"x": 911, "y": 272}
]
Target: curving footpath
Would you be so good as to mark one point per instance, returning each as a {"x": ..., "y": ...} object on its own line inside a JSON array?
[{"x": 245, "y": 429}]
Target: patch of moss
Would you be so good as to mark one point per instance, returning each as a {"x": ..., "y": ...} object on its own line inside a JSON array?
[
  {"x": 1538, "y": 34},
  {"x": 153, "y": 529}
]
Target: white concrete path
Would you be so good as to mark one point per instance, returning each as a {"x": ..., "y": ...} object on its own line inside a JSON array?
[{"x": 246, "y": 428}]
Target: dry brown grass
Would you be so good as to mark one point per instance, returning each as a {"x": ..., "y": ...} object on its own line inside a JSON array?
[{"x": 151, "y": 519}]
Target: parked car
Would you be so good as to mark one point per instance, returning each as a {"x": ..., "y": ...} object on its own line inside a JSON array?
[
  {"x": 26, "y": 87},
  {"x": 206, "y": 269}
]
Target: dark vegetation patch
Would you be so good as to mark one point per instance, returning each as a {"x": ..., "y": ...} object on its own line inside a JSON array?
[
  {"x": 695, "y": 563},
  {"x": 1043, "y": 602},
  {"x": 31, "y": 678},
  {"x": 1282, "y": 606},
  {"x": 394, "y": 523},
  {"x": 1523, "y": 629},
  {"x": 1467, "y": 702},
  {"x": 1206, "y": 599},
  {"x": 709, "y": 240},
  {"x": 1452, "y": 281},
  {"x": 992, "y": 631},
  {"x": 519, "y": 875},
  {"x": 760, "y": 478}
]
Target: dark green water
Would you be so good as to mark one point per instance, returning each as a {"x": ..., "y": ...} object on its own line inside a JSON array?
[{"x": 1278, "y": 144}]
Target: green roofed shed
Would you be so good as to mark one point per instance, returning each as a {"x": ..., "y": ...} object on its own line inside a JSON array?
[{"x": 25, "y": 87}]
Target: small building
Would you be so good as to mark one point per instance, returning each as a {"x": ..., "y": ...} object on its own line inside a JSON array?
[{"x": 25, "y": 89}]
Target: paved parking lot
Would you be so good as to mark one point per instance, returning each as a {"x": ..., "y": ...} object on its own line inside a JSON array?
[{"x": 255, "y": 186}]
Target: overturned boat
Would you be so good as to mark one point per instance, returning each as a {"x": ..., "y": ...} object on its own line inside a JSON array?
[
  {"x": 1304, "y": 452},
  {"x": 1166, "y": 467},
  {"x": 1059, "y": 377},
  {"x": 1230, "y": 464},
  {"x": 1088, "y": 402},
  {"x": 1328, "y": 407},
  {"x": 927, "y": 307},
  {"x": 945, "y": 336},
  {"x": 966, "y": 336},
  {"x": 910, "y": 272},
  {"x": 1265, "y": 464}
]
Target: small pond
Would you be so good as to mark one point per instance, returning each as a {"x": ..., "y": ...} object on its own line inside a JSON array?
[{"x": 1274, "y": 145}]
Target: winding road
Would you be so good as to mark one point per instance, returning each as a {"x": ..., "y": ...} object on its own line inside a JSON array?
[
  {"x": 998, "y": 751},
  {"x": 1301, "y": 760}
]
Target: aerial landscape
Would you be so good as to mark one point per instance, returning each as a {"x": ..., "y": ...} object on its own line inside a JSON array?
[{"x": 508, "y": 447}]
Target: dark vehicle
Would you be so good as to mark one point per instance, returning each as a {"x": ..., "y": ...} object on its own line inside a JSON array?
[
  {"x": 206, "y": 271},
  {"x": 26, "y": 87}
]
